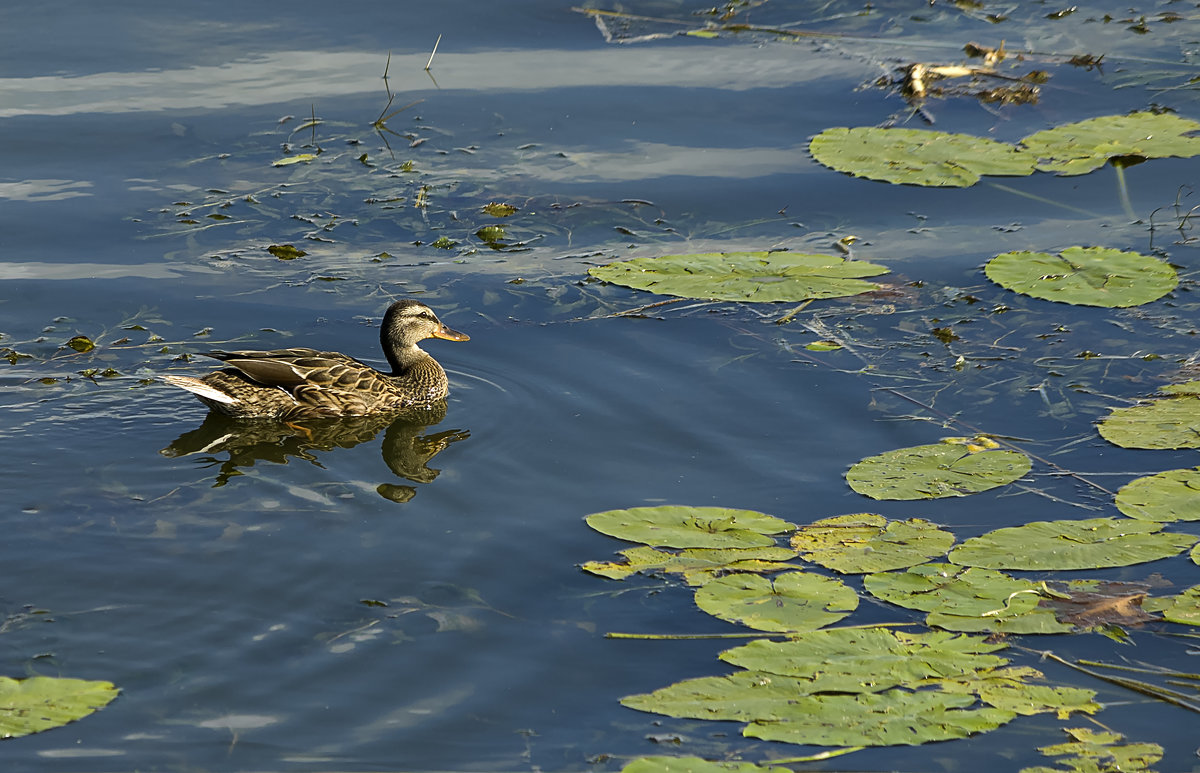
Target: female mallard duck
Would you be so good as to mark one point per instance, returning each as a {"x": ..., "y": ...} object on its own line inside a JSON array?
[{"x": 305, "y": 383}]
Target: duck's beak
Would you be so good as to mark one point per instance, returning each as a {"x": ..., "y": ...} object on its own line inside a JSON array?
[{"x": 450, "y": 334}]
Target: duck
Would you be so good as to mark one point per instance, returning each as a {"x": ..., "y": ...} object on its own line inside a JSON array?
[{"x": 289, "y": 384}]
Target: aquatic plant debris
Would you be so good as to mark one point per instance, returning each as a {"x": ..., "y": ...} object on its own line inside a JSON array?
[
  {"x": 1092, "y": 543},
  {"x": 1084, "y": 276},
  {"x": 1093, "y": 750},
  {"x": 286, "y": 251},
  {"x": 299, "y": 158},
  {"x": 680, "y": 526},
  {"x": 1173, "y": 495},
  {"x": 866, "y": 542},
  {"x": 760, "y": 277},
  {"x": 42, "y": 702},
  {"x": 917, "y": 156},
  {"x": 934, "y": 471},
  {"x": 795, "y": 601},
  {"x": 1169, "y": 422}
]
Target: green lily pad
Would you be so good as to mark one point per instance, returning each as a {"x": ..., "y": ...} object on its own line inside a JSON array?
[
  {"x": 865, "y": 542},
  {"x": 1173, "y": 495},
  {"x": 795, "y": 601},
  {"x": 761, "y": 277},
  {"x": 1092, "y": 750},
  {"x": 850, "y": 660},
  {"x": 1012, "y": 689},
  {"x": 742, "y": 696},
  {"x": 42, "y": 703},
  {"x": 1186, "y": 388},
  {"x": 697, "y": 565},
  {"x": 785, "y": 709},
  {"x": 1059, "y": 545},
  {"x": 679, "y": 526},
  {"x": 934, "y": 471},
  {"x": 1079, "y": 148},
  {"x": 1172, "y": 422},
  {"x": 1184, "y": 608},
  {"x": 665, "y": 764},
  {"x": 1084, "y": 276},
  {"x": 972, "y": 600},
  {"x": 896, "y": 717},
  {"x": 917, "y": 156}
]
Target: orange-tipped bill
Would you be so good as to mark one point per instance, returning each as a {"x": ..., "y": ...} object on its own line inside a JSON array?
[{"x": 451, "y": 335}]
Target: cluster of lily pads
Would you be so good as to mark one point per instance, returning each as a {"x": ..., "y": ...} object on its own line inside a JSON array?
[
  {"x": 933, "y": 158},
  {"x": 871, "y": 686}
]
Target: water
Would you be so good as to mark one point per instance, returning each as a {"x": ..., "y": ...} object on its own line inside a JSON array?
[{"x": 408, "y": 597}]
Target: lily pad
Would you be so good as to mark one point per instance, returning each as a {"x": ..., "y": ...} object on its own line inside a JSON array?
[
  {"x": 917, "y": 156},
  {"x": 1173, "y": 495},
  {"x": 1012, "y": 689},
  {"x": 972, "y": 600},
  {"x": 1184, "y": 608},
  {"x": 1084, "y": 276},
  {"x": 1186, "y": 388},
  {"x": 761, "y": 277},
  {"x": 1093, "y": 543},
  {"x": 1172, "y": 422},
  {"x": 666, "y": 764},
  {"x": 786, "y": 709},
  {"x": 934, "y": 471},
  {"x": 697, "y": 565},
  {"x": 742, "y": 696},
  {"x": 855, "y": 660},
  {"x": 42, "y": 702},
  {"x": 679, "y": 526},
  {"x": 1079, "y": 148},
  {"x": 896, "y": 717},
  {"x": 865, "y": 542},
  {"x": 795, "y": 601}
]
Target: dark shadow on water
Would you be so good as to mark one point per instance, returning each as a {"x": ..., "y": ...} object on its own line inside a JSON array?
[{"x": 406, "y": 448}]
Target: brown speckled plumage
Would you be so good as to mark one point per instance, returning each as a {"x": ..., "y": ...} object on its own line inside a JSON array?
[{"x": 306, "y": 383}]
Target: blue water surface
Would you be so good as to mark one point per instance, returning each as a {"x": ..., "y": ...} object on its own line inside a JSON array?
[{"x": 408, "y": 597}]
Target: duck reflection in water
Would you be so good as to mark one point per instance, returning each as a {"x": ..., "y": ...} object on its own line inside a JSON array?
[{"x": 407, "y": 449}]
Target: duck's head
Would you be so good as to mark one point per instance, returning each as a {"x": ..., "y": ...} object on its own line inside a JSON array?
[{"x": 408, "y": 322}]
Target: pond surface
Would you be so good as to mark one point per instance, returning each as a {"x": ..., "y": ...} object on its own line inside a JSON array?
[{"x": 377, "y": 596}]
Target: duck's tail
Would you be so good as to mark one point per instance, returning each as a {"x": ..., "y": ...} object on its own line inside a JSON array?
[{"x": 200, "y": 389}]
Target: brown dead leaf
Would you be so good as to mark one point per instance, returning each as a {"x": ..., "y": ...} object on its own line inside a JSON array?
[{"x": 1111, "y": 603}]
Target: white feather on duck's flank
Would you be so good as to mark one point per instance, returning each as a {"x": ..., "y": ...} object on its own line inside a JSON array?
[{"x": 198, "y": 387}]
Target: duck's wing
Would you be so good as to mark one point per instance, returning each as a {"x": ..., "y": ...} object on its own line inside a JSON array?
[{"x": 293, "y": 368}]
